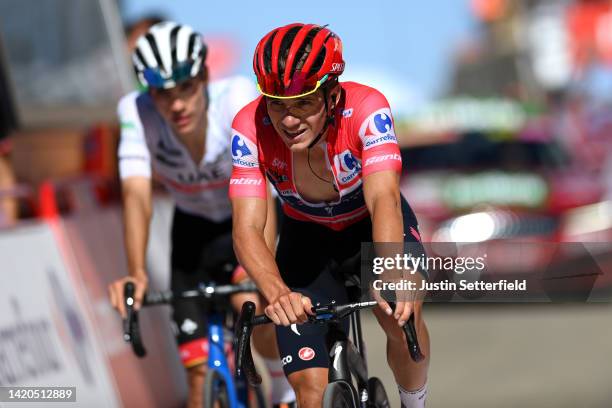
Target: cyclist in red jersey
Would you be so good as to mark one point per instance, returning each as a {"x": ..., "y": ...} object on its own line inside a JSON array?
[{"x": 330, "y": 150}]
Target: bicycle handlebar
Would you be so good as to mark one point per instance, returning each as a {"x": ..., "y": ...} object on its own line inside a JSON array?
[
  {"x": 131, "y": 327},
  {"x": 322, "y": 314}
]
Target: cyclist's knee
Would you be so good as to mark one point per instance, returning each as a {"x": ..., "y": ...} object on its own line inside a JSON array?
[
  {"x": 238, "y": 300},
  {"x": 309, "y": 386},
  {"x": 264, "y": 341}
]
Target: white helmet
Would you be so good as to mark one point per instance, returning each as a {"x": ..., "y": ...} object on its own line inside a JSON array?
[{"x": 167, "y": 54}]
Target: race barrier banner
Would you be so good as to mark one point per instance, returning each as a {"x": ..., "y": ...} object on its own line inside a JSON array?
[{"x": 47, "y": 338}]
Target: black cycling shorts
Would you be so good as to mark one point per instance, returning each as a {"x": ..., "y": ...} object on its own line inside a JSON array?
[
  {"x": 202, "y": 251},
  {"x": 308, "y": 256}
]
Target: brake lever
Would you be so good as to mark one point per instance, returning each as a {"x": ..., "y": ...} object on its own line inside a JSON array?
[
  {"x": 131, "y": 329},
  {"x": 244, "y": 359},
  {"x": 413, "y": 342}
]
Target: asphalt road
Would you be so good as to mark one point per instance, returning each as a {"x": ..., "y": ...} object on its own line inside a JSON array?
[{"x": 487, "y": 355}]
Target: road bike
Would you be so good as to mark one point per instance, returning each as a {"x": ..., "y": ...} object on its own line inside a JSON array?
[
  {"x": 347, "y": 358},
  {"x": 222, "y": 388}
]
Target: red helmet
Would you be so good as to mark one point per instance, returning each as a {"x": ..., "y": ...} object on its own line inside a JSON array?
[{"x": 296, "y": 59}]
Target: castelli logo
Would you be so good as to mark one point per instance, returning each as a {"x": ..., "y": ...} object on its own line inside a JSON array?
[{"x": 306, "y": 353}]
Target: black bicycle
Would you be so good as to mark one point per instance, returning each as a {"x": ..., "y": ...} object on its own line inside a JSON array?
[
  {"x": 222, "y": 388},
  {"x": 347, "y": 358}
]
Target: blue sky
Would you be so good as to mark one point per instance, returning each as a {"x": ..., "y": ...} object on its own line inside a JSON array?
[{"x": 401, "y": 47}]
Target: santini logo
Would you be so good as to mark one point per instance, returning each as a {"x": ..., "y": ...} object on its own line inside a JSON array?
[
  {"x": 245, "y": 181},
  {"x": 378, "y": 159}
]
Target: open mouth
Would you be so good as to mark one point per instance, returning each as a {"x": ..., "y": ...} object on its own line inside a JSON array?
[{"x": 293, "y": 135}]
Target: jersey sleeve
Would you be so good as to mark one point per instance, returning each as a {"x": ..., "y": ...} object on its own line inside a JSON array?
[
  {"x": 378, "y": 143},
  {"x": 247, "y": 176},
  {"x": 133, "y": 153}
]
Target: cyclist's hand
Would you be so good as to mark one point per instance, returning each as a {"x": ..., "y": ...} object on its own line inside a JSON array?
[
  {"x": 289, "y": 308},
  {"x": 402, "y": 311},
  {"x": 405, "y": 299},
  {"x": 382, "y": 303},
  {"x": 115, "y": 291}
]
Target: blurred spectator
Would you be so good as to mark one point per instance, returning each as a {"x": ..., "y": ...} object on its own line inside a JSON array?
[{"x": 8, "y": 204}]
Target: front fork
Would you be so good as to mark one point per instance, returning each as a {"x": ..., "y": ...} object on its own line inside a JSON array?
[{"x": 237, "y": 392}]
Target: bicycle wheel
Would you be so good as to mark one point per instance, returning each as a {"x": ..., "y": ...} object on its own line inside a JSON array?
[
  {"x": 339, "y": 394},
  {"x": 377, "y": 396},
  {"x": 215, "y": 390}
]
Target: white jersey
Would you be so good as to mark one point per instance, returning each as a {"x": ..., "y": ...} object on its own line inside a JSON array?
[{"x": 148, "y": 143}]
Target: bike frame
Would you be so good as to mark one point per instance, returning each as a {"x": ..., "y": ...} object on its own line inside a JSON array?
[
  {"x": 237, "y": 390},
  {"x": 348, "y": 358}
]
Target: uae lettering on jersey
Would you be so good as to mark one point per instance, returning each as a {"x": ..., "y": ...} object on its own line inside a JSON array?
[
  {"x": 377, "y": 129},
  {"x": 243, "y": 151}
]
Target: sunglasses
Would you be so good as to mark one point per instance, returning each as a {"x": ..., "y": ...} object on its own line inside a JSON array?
[
  {"x": 180, "y": 73},
  {"x": 316, "y": 86}
]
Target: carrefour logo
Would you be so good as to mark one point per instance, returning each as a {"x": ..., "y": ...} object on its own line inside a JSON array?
[
  {"x": 348, "y": 166},
  {"x": 241, "y": 154},
  {"x": 378, "y": 129},
  {"x": 349, "y": 162},
  {"x": 239, "y": 147},
  {"x": 383, "y": 123},
  {"x": 380, "y": 140}
]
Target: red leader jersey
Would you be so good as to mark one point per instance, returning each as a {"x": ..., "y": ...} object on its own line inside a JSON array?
[{"x": 362, "y": 141}]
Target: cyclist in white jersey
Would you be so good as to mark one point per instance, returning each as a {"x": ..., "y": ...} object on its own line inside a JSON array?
[{"x": 180, "y": 131}]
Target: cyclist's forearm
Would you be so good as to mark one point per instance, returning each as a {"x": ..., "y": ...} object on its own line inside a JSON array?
[
  {"x": 387, "y": 230},
  {"x": 136, "y": 218},
  {"x": 255, "y": 256},
  {"x": 387, "y": 221}
]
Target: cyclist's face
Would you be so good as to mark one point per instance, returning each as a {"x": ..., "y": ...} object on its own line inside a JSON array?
[
  {"x": 298, "y": 121},
  {"x": 182, "y": 106}
]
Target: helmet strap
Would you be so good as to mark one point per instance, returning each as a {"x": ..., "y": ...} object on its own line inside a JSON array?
[{"x": 328, "y": 120}]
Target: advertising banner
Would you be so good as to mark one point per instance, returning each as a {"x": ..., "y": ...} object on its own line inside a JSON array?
[{"x": 46, "y": 336}]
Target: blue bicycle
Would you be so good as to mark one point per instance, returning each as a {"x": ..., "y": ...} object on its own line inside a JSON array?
[{"x": 222, "y": 388}]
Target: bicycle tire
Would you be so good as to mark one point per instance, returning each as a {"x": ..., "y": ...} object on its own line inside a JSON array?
[
  {"x": 377, "y": 395},
  {"x": 339, "y": 394},
  {"x": 215, "y": 390}
]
